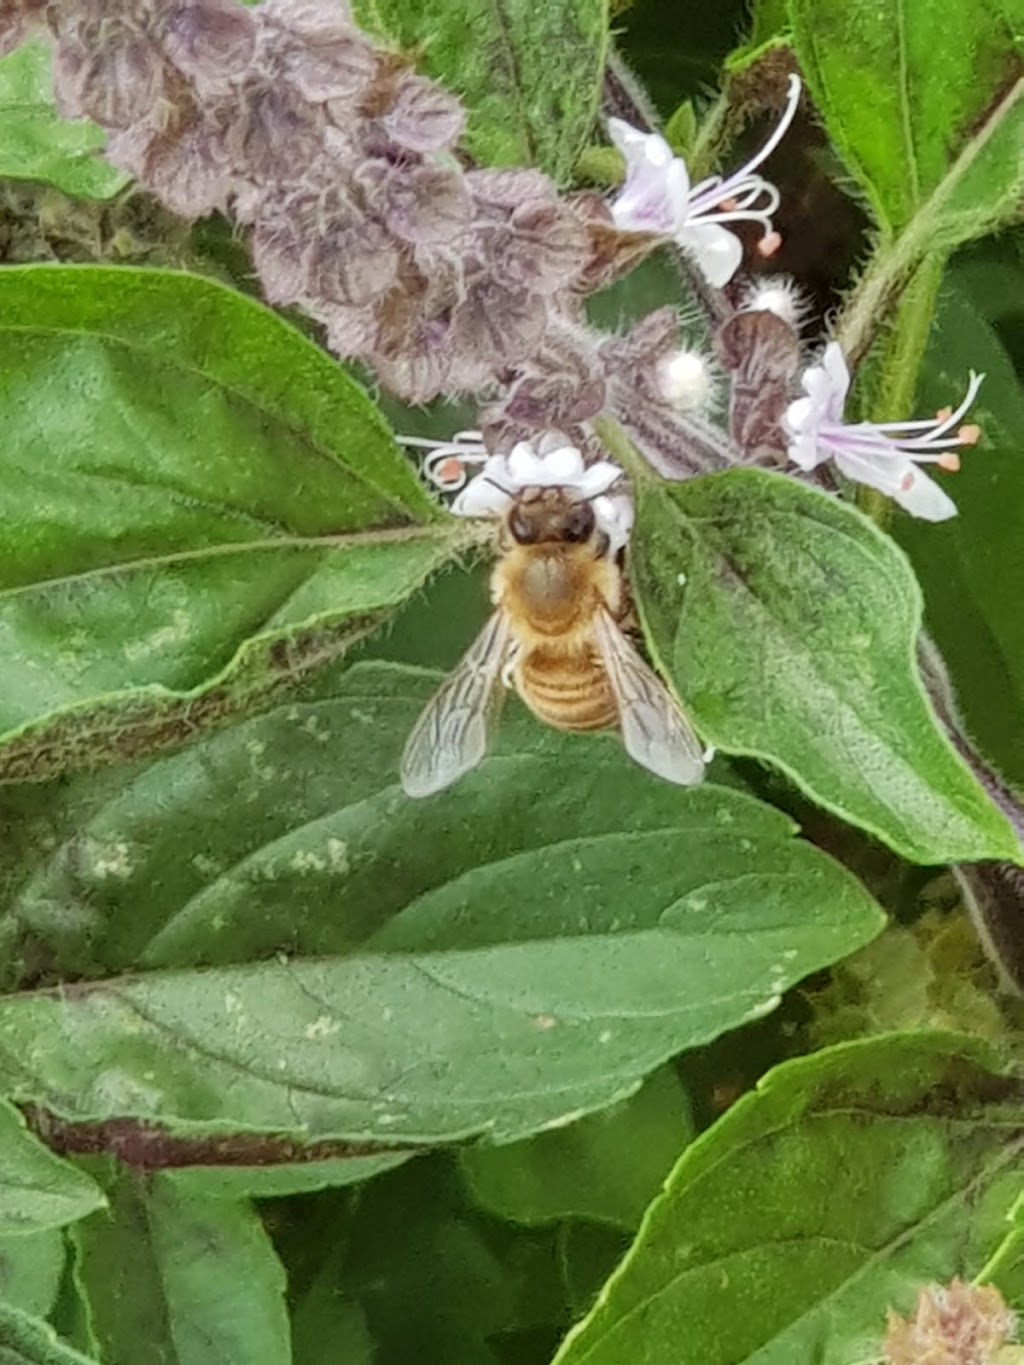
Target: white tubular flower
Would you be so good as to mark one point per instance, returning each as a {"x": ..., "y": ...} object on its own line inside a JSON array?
[
  {"x": 530, "y": 465},
  {"x": 883, "y": 455},
  {"x": 657, "y": 197}
]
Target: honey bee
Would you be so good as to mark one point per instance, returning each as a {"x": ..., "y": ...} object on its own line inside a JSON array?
[{"x": 559, "y": 596}]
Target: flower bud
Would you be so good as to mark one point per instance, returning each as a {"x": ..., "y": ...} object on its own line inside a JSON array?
[
  {"x": 209, "y": 40},
  {"x": 685, "y": 381},
  {"x": 422, "y": 116}
]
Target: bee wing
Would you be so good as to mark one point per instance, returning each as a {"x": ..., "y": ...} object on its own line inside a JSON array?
[
  {"x": 653, "y": 728},
  {"x": 452, "y": 733}
]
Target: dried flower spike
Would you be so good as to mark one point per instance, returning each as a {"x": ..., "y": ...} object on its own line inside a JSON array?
[
  {"x": 657, "y": 197},
  {"x": 883, "y": 455},
  {"x": 958, "y": 1324}
]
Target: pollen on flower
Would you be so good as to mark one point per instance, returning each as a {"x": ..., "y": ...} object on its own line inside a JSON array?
[
  {"x": 449, "y": 471},
  {"x": 769, "y": 244},
  {"x": 969, "y": 435},
  {"x": 950, "y": 462}
]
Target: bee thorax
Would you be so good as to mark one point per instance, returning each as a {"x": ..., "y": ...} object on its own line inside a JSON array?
[{"x": 548, "y": 583}]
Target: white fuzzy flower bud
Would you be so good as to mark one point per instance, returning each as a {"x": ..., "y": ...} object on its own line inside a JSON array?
[
  {"x": 685, "y": 381},
  {"x": 780, "y": 295}
]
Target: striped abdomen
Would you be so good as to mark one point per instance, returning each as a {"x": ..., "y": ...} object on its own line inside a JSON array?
[{"x": 567, "y": 688}]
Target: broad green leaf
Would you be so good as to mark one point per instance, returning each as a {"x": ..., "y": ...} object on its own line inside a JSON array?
[
  {"x": 559, "y": 908},
  {"x": 37, "y": 145},
  {"x": 847, "y": 1181},
  {"x": 31, "y": 1265},
  {"x": 328, "y": 1329},
  {"x": 433, "y": 1285},
  {"x": 607, "y": 1167},
  {"x": 970, "y": 567},
  {"x": 1005, "y": 1268},
  {"x": 529, "y": 75},
  {"x": 196, "y": 1280},
  {"x": 925, "y": 103},
  {"x": 37, "y": 1189},
  {"x": 588, "y": 1253},
  {"x": 788, "y": 623},
  {"x": 193, "y": 498},
  {"x": 27, "y": 1340}
]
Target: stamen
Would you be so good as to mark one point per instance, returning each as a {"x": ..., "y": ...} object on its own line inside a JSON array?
[
  {"x": 769, "y": 244},
  {"x": 969, "y": 435},
  {"x": 445, "y": 464},
  {"x": 950, "y": 462}
]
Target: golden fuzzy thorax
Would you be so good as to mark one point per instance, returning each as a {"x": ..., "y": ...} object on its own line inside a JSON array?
[{"x": 551, "y": 593}]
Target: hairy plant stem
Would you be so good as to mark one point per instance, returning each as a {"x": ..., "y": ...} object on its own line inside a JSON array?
[
  {"x": 896, "y": 258},
  {"x": 623, "y": 451}
]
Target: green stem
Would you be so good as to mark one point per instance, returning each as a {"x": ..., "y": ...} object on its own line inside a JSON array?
[
  {"x": 714, "y": 135},
  {"x": 896, "y": 259},
  {"x": 905, "y": 345},
  {"x": 623, "y": 452}
]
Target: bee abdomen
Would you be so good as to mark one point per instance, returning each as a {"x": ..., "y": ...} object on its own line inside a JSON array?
[{"x": 570, "y": 692}]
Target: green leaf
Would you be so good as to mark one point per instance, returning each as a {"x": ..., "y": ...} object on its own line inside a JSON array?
[
  {"x": 37, "y": 145},
  {"x": 195, "y": 500},
  {"x": 925, "y": 103},
  {"x": 788, "y": 623},
  {"x": 559, "y": 908},
  {"x": 588, "y": 1252},
  {"x": 196, "y": 1280},
  {"x": 607, "y": 1167},
  {"x": 37, "y": 1189},
  {"x": 1005, "y": 1269},
  {"x": 328, "y": 1329},
  {"x": 25, "y": 1340},
  {"x": 31, "y": 1265},
  {"x": 843, "y": 1184},
  {"x": 529, "y": 75},
  {"x": 970, "y": 567},
  {"x": 272, "y": 1182},
  {"x": 432, "y": 1284}
]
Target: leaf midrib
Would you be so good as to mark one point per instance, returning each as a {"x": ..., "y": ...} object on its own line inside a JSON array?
[
  {"x": 173, "y": 361},
  {"x": 344, "y": 540}
]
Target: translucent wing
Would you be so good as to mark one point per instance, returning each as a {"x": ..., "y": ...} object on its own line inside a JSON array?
[
  {"x": 451, "y": 735},
  {"x": 653, "y": 728}
]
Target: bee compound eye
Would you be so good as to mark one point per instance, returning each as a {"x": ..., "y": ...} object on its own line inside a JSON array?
[
  {"x": 521, "y": 526},
  {"x": 580, "y": 523}
]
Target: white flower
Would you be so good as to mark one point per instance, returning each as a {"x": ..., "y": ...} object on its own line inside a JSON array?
[
  {"x": 883, "y": 455},
  {"x": 549, "y": 464},
  {"x": 657, "y": 197}
]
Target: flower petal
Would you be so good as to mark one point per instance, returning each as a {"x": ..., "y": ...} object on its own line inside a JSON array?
[
  {"x": 614, "y": 514},
  {"x": 598, "y": 478},
  {"x": 717, "y": 251},
  {"x": 487, "y": 494},
  {"x": 562, "y": 467},
  {"x": 833, "y": 364},
  {"x": 525, "y": 468},
  {"x": 924, "y": 498}
]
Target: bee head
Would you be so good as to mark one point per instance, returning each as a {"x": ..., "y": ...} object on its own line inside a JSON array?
[{"x": 551, "y": 516}]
